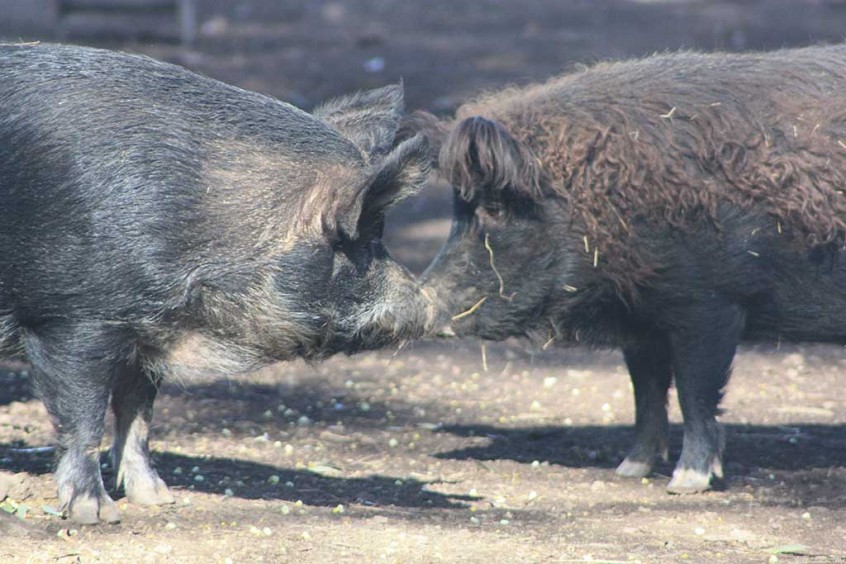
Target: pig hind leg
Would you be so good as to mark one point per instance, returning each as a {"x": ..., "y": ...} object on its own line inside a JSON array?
[
  {"x": 650, "y": 369},
  {"x": 133, "y": 394},
  {"x": 702, "y": 354},
  {"x": 72, "y": 368}
]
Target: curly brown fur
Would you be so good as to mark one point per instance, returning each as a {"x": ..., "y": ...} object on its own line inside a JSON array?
[{"x": 670, "y": 138}]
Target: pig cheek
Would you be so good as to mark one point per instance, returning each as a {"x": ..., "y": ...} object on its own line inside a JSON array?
[
  {"x": 306, "y": 273},
  {"x": 486, "y": 287},
  {"x": 348, "y": 287}
]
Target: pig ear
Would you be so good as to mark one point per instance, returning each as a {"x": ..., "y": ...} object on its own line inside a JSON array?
[
  {"x": 369, "y": 119},
  {"x": 433, "y": 128},
  {"x": 481, "y": 154},
  {"x": 400, "y": 174}
]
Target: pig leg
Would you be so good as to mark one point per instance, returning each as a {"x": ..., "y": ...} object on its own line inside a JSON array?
[
  {"x": 133, "y": 394},
  {"x": 651, "y": 373},
  {"x": 72, "y": 371},
  {"x": 702, "y": 355}
]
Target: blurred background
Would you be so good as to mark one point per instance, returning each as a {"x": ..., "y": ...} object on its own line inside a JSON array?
[{"x": 305, "y": 51}]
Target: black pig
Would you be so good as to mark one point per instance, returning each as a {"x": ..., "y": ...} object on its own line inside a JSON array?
[
  {"x": 671, "y": 206},
  {"x": 155, "y": 222}
]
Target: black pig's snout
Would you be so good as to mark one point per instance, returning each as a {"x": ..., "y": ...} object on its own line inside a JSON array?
[{"x": 438, "y": 319}]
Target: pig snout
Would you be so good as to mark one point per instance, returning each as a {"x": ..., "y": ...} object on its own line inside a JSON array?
[{"x": 438, "y": 318}]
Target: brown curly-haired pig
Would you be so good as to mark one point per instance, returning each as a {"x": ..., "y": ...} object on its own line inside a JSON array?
[{"x": 671, "y": 206}]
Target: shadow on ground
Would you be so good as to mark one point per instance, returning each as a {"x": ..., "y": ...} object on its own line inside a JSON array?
[
  {"x": 14, "y": 386},
  {"x": 749, "y": 447},
  {"x": 252, "y": 480},
  {"x": 220, "y": 474}
]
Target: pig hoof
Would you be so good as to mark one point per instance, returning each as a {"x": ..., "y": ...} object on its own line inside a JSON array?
[
  {"x": 687, "y": 481},
  {"x": 633, "y": 469},
  {"x": 89, "y": 510},
  {"x": 151, "y": 492},
  {"x": 717, "y": 468}
]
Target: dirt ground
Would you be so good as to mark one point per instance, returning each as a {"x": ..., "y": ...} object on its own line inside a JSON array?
[{"x": 434, "y": 452}]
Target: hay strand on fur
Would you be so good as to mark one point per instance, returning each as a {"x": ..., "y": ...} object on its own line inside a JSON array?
[
  {"x": 495, "y": 271},
  {"x": 670, "y": 114},
  {"x": 470, "y": 311}
]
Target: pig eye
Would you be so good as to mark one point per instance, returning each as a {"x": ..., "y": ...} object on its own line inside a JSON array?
[
  {"x": 340, "y": 242},
  {"x": 492, "y": 211}
]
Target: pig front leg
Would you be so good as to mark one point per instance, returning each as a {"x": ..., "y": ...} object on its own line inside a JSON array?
[
  {"x": 702, "y": 347},
  {"x": 650, "y": 369},
  {"x": 72, "y": 367},
  {"x": 133, "y": 394}
]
